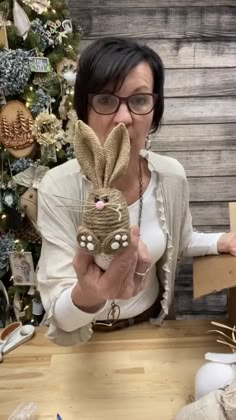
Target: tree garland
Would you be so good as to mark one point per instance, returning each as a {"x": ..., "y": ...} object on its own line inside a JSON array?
[
  {"x": 14, "y": 71},
  {"x": 48, "y": 95}
]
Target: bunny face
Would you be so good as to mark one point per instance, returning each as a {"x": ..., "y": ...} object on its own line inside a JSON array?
[
  {"x": 139, "y": 80},
  {"x": 107, "y": 210}
]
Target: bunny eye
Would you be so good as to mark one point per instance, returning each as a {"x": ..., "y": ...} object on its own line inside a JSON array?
[
  {"x": 96, "y": 199},
  {"x": 105, "y": 199}
]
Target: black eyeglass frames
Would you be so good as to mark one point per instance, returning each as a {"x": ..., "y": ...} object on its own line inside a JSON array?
[{"x": 138, "y": 103}]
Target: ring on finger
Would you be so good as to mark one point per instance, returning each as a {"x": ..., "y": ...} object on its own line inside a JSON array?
[{"x": 142, "y": 274}]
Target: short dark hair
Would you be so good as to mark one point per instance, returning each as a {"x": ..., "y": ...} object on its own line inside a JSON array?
[{"x": 108, "y": 61}]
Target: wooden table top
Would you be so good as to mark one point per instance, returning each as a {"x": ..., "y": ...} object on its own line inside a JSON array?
[{"x": 140, "y": 373}]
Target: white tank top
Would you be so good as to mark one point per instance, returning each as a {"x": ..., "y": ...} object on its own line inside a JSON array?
[{"x": 155, "y": 239}]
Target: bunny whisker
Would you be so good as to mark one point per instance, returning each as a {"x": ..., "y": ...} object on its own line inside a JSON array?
[
  {"x": 83, "y": 202},
  {"x": 65, "y": 206},
  {"x": 73, "y": 208},
  {"x": 74, "y": 205},
  {"x": 65, "y": 198}
]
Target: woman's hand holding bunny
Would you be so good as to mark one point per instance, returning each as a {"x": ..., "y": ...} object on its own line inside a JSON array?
[{"x": 119, "y": 281}]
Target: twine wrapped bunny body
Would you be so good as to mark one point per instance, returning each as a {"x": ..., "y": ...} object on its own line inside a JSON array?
[{"x": 104, "y": 231}]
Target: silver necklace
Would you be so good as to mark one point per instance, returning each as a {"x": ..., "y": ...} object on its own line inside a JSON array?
[{"x": 114, "y": 312}]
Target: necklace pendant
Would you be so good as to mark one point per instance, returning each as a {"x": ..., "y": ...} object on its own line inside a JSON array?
[{"x": 114, "y": 312}]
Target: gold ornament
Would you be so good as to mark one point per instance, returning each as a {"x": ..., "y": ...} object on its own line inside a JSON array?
[
  {"x": 67, "y": 69},
  {"x": 70, "y": 131},
  {"x": 16, "y": 124},
  {"x": 64, "y": 107},
  {"x": 47, "y": 130},
  {"x": 39, "y": 6},
  {"x": 31, "y": 178}
]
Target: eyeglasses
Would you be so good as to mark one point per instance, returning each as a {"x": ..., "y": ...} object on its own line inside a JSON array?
[{"x": 107, "y": 103}]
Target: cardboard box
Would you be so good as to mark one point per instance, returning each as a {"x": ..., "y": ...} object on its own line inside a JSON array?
[{"x": 214, "y": 273}]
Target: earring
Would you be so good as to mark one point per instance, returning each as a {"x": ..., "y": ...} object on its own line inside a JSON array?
[{"x": 147, "y": 143}]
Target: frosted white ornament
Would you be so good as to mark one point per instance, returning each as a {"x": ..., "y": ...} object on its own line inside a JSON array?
[
  {"x": 21, "y": 20},
  {"x": 70, "y": 77},
  {"x": 211, "y": 377}
]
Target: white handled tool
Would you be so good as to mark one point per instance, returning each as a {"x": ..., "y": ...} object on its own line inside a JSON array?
[{"x": 19, "y": 335}]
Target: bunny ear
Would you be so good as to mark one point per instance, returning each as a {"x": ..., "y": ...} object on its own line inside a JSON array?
[
  {"x": 89, "y": 152},
  {"x": 117, "y": 154}
]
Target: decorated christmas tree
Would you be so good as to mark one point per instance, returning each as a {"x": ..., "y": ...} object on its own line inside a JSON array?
[{"x": 38, "y": 59}]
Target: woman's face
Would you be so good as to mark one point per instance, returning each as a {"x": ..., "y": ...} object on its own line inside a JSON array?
[{"x": 139, "y": 80}]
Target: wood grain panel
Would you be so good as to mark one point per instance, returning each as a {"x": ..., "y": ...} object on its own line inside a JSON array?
[
  {"x": 183, "y": 53},
  {"x": 200, "y": 110},
  {"x": 206, "y": 164},
  {"x": 200, "y": 82},
  {"x": 212, "y": 229},
  {"x": 196, "y": 40},
  {"x": 194, "y": 137},
  {"x": 91, "y": 4},
  {"x": 154, "y": 22},
  {"x": 141, "y": 373},
  {"x": 210, "y": 213},
  {"x": 212, "y": 189}
]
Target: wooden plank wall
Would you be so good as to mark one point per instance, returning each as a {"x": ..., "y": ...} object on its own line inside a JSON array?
[{"x": 197, "y": 42}]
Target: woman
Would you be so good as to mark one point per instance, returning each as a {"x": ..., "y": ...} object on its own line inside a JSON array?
[{"x": 118, "y": 80}]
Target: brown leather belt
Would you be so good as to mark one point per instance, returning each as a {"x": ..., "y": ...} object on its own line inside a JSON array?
[{"x": 151, "y": 312}]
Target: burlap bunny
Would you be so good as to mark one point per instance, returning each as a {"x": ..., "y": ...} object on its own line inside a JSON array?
[
  {"x": 216, "y": 405},
  {"x": 105, "y": 225}
]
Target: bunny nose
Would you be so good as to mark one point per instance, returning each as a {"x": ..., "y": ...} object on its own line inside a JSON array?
[{"x": 100, "y": 205}]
